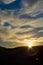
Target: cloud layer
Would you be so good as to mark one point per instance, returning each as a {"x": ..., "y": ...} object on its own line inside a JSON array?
[
  {"x": 8, "y": 1},
  {"x": 23, "y": 21}
]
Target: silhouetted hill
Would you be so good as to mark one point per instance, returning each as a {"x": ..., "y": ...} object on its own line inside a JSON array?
[{"x": 22, "y": 55}]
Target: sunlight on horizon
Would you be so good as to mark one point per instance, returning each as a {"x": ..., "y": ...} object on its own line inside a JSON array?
[{"x": 30, "y": 42}]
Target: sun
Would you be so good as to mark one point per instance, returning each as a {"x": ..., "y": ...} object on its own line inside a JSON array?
[{"x": 30, "y": 43}]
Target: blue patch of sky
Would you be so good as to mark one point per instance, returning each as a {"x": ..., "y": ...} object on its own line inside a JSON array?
[{"x": 14, "y": 5}]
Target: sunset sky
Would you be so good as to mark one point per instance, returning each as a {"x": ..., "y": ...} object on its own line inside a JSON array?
[{"x": 21, "y": 22}]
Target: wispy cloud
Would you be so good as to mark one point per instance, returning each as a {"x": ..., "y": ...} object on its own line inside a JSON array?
[{"x": 8, "y": 1}]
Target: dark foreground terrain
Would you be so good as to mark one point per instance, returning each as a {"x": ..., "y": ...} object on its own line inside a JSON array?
[{"x": 22, "y": 55}]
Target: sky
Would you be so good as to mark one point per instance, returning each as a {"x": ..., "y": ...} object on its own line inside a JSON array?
[{"x": 21, "y": 22}]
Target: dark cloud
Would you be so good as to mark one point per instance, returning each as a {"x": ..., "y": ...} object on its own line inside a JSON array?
[
  {"x": 25, "y": 26},
  {"x": 6, "y": 24},
  {"x": 35, "y": 30},
  {"x": 38, "y": 35},
  {"x": 28, "y": 16}
]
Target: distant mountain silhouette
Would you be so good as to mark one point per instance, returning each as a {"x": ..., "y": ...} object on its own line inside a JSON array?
[{"x": 21, "y": 55}]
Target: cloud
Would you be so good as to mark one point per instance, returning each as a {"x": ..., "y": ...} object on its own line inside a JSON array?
[
  {"x": 11, "y": 43},
  {"x": 40, "y": 39},
  {"x": 28, "y": 16},
  {"x": 10, "y": 5},
  {"x": 34, "y": 30},
  {"x": 39, "y": 34},
  {"x": 8, "y": 1},
  {"x": 35, "y": 7},
  {"x": 25, "y": 26},
  {"x": 23, "y": 29},
  {"x": 25, "y": 23}
]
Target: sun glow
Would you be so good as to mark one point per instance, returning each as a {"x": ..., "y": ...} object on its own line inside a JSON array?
[{"x": 30, "y": 43}]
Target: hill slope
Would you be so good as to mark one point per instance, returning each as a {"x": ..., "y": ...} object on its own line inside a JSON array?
[{"x": 22, "y": 55}]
